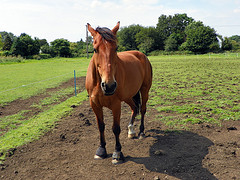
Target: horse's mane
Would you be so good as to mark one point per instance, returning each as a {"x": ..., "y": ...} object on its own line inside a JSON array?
[{"x": 106, "y": 34}]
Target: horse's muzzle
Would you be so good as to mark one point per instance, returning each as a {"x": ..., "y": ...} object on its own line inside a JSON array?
[{"x": 109, "y": 89}]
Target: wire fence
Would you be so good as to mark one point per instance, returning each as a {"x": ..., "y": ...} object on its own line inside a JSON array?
[
  {"x": 33, "y": 88},
  {"x": 24, "y": 85}
]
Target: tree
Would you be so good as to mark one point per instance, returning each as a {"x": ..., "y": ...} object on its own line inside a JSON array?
[
  {"x": 179, "y": 23},
  {"x": 25, "y": 46},
  {"x": 199, "y": 37},
  {"x": 168, "y": 25},
  {"x": 147, "y": 39},
  {"x": 7, "y": 43},
  {"x": 235, "y": 38},
  {"x": 235, "y": 45},
  {"x": 146, "y": 46},
  {"x": 4, "y": 34},
  {"x": 173, "y": 42},
  {"x": 61, "y": 47},
  {"x": 1, "y": 41},
  {"x": 214, "y": 47},
  {"x": 226, "y": 44},
  {"x": 127, "y": 37},
  {"x": 46, "y": 49},
  {"x": 42, "y": 42}
]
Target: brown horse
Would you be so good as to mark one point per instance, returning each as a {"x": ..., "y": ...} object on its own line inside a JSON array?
[{"x": 115, "y": 77}]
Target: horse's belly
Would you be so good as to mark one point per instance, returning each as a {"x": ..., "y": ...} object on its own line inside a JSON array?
[{"x": 131, "y": 88}]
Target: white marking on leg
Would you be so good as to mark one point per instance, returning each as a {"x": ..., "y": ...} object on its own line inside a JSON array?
[{"x": 131, "y": 132}]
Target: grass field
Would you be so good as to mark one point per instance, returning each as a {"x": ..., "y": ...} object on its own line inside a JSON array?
[
  {"x": 29, "y": 78},
  {"x": 196, "y": 89},
  {"x": 186, "y": 89},
  {"x": 23, "y": 80}
]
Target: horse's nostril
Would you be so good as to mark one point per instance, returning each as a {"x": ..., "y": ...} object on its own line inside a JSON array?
[{"x": 103, "y": 84}]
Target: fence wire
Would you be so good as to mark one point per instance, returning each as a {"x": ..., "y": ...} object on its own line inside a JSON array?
[{"x": 24, "y": 85}]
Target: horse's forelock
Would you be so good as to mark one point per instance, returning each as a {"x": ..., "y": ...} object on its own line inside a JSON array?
[{"x": 106, "y": 34}]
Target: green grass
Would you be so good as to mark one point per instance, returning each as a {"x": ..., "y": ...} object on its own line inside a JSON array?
[
  {"x": 23, "y": 80},
  {"x": 196, "y": 89},
  {"x": 13, "y": 121},
  {"x": 54, "y": 97},
  {"x": 9, "y": 122},
  {"x": 34, "y": 127}
]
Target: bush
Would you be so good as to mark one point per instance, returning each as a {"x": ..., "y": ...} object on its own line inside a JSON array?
[
  {"x": 41, "y": 56},
  {"x": 45, "y": 56},
  {"x": 5, "y": 53},
  {"x": 37, "y": 57},
  {"x": 11, "y": 59},
  {"x": 160, "y": 52},
  {"x": 156, "y": 53}
]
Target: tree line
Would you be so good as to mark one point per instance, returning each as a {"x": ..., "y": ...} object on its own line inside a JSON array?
[
  {"x": 176, "y": 33},
  {"x": 171, "y": 34},
  {"x": 36, "y": 48}
]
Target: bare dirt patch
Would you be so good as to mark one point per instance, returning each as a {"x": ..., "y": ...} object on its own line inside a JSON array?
[{"x": 203, "y": 151}]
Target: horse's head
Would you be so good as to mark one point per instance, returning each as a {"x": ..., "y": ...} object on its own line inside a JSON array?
[{"x": 105, "y": 56}]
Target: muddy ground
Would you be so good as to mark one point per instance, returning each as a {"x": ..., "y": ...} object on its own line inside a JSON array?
[{"x": 203, "y": 151}]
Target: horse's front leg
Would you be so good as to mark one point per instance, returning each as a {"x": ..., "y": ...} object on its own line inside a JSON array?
[
  {"x": 101, "y": 152},
  {"x": 117, "y": 156}
]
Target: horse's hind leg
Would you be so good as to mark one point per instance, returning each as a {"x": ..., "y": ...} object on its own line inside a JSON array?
[
  {"x": 135, "y": 110},
  {"x": 131, "y": 131},
  {"x": 144, "y": 94},
  {"x": 101, "y": 152}
]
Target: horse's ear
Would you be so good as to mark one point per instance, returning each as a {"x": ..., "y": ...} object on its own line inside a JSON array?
[
  {"x": 115, "y": 29},
  {"x": 91, "y": 30}
]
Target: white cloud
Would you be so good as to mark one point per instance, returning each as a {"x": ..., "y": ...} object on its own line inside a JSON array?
[
  {"x": 53, "y": 19},
  {"x": 237, "y": 10}
]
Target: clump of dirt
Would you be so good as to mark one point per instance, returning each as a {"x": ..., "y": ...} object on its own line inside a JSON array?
[{"x": 204, "y": 151}]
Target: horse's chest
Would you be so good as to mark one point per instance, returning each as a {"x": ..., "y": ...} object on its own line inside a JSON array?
[{"x": 100, "y": 100}]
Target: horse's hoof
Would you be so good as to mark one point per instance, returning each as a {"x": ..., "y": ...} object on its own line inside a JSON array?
[
  {"x": 101, "y": 153},
  {"x": 131, "y": 132},
  {"x": 141, "y": 136},
  {"x": 117, "y": 157},
  {"x": 116, "y": 162},
  {"x": 96, "y": 157},
  {"x": 132, "y": 136}
]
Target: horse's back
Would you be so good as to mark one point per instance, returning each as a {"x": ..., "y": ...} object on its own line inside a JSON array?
[
  {"x": 144, "y": 61},
  {"x": 138, "y": 70},
  {"x": 137, "y": 56}
]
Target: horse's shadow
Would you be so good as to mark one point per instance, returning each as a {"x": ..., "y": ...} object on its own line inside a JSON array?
[{"x": 178, "y": 154}]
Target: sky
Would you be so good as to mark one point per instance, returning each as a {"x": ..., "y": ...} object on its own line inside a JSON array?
[{"x": 54, "y": 19}]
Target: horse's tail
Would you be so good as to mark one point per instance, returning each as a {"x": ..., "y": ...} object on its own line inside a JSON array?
[{"x": 137, "y": 101}]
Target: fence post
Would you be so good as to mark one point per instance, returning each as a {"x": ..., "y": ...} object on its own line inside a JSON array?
[
  {"x": 75, "y": 83},
  {"x": 87, "y": 40}
]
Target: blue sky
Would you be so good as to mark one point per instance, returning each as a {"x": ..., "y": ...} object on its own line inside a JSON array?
[{"x": 53, "y": 19}]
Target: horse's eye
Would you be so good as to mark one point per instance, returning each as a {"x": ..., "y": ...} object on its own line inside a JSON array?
[{"x": 95, "y": 50}]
